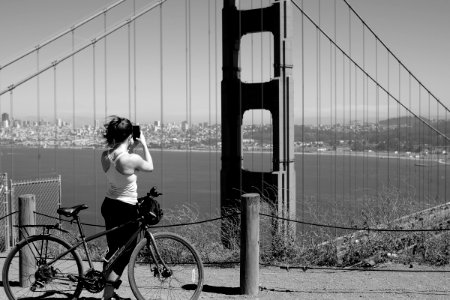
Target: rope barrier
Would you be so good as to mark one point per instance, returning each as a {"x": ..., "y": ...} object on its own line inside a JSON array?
[
  {"x": 160, "y": 226},
  {"x": 10, "y": 214},
  {"x": 356, "y": 228},
  {"x": 368, "y": 269}
]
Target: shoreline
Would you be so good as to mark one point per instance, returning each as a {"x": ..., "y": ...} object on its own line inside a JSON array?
[{"x": 440, "y": 159}]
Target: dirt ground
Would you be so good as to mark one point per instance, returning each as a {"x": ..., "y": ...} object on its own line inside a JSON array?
[{"x": 276, "y": 283}]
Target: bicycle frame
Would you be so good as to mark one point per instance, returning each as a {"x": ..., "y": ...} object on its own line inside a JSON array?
[{"x": 109, "y": 264}]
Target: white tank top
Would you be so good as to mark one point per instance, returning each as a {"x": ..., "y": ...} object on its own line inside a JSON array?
[{"x": 121, "y": 187}]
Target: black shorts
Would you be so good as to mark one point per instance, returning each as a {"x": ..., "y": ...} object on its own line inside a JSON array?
[{"x": 115, "y": 213}]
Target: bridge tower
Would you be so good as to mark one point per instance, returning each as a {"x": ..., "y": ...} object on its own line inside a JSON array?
[{"x": 239, "y": 97}]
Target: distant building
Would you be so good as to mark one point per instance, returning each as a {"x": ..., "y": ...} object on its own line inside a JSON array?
[
  {"x": 5, "y": 123},
  {"x": 5, "y": 117},
  {"x": 184, "y": 126}
]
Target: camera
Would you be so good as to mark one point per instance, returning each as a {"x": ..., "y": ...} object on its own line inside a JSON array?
[{"x": 136, "y": 132}]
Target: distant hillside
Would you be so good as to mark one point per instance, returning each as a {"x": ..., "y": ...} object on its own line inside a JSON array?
[{"x": 402, "y": 121}]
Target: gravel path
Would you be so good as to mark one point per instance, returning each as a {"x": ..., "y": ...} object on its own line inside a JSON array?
[{"x": 276, "y": 283}]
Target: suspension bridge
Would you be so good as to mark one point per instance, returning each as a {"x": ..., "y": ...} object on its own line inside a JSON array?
[{"x": 300, "y": 101}]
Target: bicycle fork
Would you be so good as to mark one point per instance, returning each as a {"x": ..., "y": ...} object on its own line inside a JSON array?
[{"x": 151, "y": 244}]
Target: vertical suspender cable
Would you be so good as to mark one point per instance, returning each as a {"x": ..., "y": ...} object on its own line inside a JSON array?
[
  {"x": 410, "y": 139},
  {"x": 335, "y": 116},
  {"x": 134, "y": 62},
  {"x": 398, "y": 127},
  {"x": 55, "y": 120},
  {"x": 350, "y": 103},
  {"x": 420, "y": 149},
  {"x": 262, "y": 93},
  {"x": 364, "y": 122},
  {"x": 437, "y": 153},
  {"x": 377, "y": 121},
  {"x": 129, "y": 68},
  {"x": 105, "y": 57},
  {"x": 73, "y": 114},
  {"x": 209, "y": 110},
  {"x": 38, "y": 101},
  {"x": 446, "y": 153},
  {"x": 303, "y": 116},
  {"x": 161, "y": 87},
  {"x": 240, "y": 96},
  {"x": 216, "y": 129},
  {"x": 344, "y": 126},
  {"x": 188, "y": 94},
  {"x": 318, "y": 107},
  {"x": 94, "y": 133},
  {"x": 11, "y": 108},
  {"x": 1, "y": 108},
  {"x": 388, "y": 124},
  {"x": 430, "y": 153},
  {"x": 333, "y": 162},
  {"x": 252, "y": 80}
]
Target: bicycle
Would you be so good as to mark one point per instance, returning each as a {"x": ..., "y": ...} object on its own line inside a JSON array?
[{"x": 162, "y": 265}]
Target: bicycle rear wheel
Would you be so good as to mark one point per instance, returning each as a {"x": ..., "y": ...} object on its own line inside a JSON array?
[
  {"x": 27, "y": 273},
  {"x": 183, "y": 280}
]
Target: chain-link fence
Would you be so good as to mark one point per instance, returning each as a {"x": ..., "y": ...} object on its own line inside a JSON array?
[
  {"x": 4, "y": 210},
  {"x": 48, "y": 198}
]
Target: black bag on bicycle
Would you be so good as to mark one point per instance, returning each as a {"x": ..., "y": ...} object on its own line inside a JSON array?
[{"x": 149, "y": 208}]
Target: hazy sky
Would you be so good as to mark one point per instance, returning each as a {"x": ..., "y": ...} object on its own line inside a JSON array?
[{"x": 415, "y": 30}]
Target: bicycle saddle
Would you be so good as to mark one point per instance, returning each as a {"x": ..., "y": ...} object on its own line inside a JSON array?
[{"x": 71, "y": 211}]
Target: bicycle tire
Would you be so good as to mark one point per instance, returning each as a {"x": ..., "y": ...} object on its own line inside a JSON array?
[
  {"x": 47, "y": 281},
  {"x": 186, "y": 281}
]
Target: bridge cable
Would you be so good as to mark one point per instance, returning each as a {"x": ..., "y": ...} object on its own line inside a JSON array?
[
  {"x": 60, "y": 35},
  {"x": 393, "y": 55},
  {"x": 370, "y": 77},
  {"x": 83, "y": 47}
]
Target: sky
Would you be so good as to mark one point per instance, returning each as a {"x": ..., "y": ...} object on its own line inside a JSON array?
[{"x": 186, "y": 85}]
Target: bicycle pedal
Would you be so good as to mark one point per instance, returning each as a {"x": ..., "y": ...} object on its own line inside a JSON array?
[
  {"x": 72, "y": 277},
  {"x": 37, "y": 285}
]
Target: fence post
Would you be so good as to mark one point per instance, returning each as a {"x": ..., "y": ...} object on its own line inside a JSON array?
[
  {"x": 249, "y": 272},
  {"x": 27, "y": 206}
]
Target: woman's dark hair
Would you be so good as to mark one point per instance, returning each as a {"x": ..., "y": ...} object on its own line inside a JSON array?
[{"x": 117, "y": 130}]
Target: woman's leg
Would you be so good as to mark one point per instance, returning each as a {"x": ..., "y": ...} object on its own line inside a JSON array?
[{"x": 117, "y": 213}]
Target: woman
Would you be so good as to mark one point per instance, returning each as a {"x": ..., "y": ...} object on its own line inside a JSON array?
[{"x": 120, "y": 166}]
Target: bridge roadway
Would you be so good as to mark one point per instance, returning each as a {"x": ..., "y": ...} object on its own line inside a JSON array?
[{"x": 276, "y": 283}]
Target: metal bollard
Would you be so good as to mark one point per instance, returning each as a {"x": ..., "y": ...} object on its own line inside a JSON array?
[{"x": 249, "y": 272}]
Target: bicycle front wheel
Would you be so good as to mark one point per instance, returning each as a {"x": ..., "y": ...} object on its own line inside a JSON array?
[
  {"x": 30, "y": 273},
  {"x": 149, "y": 280}
]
